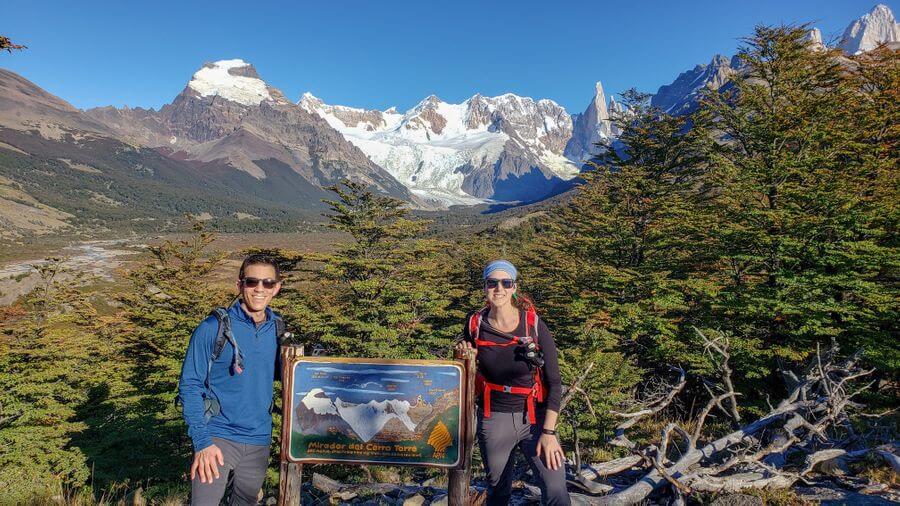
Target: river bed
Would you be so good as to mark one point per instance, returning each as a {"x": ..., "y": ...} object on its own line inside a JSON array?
[{"x": 98, "y": 259}]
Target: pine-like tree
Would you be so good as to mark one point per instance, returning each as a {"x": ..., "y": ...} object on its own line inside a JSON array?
[
  {"x": 142, "y": 434},
  {"x": 387, "y": 292},
  {"x": 615, "y": 267},
  {"x": 53, "y": 352},
  {"x": 803, "y": 251}
]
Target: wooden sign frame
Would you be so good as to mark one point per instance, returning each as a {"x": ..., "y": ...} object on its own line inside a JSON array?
[{"x": 459, "y": 475}]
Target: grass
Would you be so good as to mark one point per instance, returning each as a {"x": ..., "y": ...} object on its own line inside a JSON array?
[{"x": 115, "y": 494}]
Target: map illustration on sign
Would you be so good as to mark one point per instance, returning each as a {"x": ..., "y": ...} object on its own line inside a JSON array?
[{"x": 375, "y": 411}]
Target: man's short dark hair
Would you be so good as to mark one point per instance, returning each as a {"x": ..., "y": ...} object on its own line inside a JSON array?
[{"x": 260, "y": 259}]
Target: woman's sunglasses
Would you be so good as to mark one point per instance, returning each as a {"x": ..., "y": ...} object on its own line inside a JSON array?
[
  {"x": 267, "y": 283},
  {"x": 491, "y": 283}
]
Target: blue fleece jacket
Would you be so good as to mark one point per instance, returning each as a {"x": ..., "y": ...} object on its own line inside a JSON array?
[{"x": 245, "y": 398}]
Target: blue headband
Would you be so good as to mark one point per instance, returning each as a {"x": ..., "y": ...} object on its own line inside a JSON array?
[{"x": 500, "y": 265}]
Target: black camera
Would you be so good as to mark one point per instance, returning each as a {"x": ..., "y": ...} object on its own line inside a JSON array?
[{"x": 532, "y": 353}]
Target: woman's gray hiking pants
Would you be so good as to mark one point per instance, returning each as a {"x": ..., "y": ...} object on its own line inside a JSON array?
[
  {"x": 247, "y": 466},
  {"x": 498, "y": 436}
]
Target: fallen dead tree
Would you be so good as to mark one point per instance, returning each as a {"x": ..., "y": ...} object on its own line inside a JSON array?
[{"x": 802, "y": 428}]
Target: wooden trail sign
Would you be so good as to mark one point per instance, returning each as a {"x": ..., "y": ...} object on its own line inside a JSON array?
[{"x": 371, "y": 411}]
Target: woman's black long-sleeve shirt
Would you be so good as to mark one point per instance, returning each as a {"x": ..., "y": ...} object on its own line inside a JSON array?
[{"x": 507, "y": 365}]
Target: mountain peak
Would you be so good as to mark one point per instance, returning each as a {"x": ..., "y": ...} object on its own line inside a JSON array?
[
  {"x": 310, "y": 102},
  {"x": 429, "y": 101},
  {"x": 234, "y": 80},
  {"x": 719, "y": 61},
  {"x": 589, "y": 128},
  {"x": 870, "y": 30}
]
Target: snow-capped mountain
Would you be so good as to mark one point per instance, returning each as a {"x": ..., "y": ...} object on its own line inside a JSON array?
[
  {"x": 317, "y": 414},
  {"x": 591, "y": 126},
  {"x": 501, "y": 148},
  {"x": 870, "y": 30},
  {"x": 227, "y": 113},
  {"x": 232, "y": 80}
]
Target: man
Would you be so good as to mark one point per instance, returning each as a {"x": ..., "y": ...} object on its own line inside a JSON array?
[{"x": 227, "y": 401}]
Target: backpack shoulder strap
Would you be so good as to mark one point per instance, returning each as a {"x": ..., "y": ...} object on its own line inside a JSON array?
[
  {"x": 531, "y": 322},
  {"x": 225, "y": 335},
  {"x": 280, "y": 328},
  {"x": 475, "y": 325},
  {"x": 224, "y": 321}
]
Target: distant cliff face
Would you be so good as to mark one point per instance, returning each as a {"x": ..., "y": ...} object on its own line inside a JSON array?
[
  {"x": 682, "y": 96},
  {"x": 505, "y": 148},
  {"x": 876, "y": 27},
  {"x": 592, "y": 127}
]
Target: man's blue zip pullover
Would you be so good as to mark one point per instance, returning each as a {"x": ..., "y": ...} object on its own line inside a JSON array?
[{"x": 245, "y": 398}]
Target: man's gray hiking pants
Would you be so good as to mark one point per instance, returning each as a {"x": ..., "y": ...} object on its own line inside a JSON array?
[
  {"x": 498, "y": 436},
  {"x": 247, "y": 466}
]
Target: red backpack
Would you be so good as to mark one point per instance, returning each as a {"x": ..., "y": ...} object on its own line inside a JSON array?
[{"x": 535, "y": 392}]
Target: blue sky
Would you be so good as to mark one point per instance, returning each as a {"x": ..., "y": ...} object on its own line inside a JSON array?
[{"x": 390, "y": 53}]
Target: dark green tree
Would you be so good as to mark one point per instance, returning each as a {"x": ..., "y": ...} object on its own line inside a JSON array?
[
  {"x": 53, "y": 351},
  {"x": 138, "y": 432},
  {"x": 615, "y": 268},
  {"x": 805, "y": 255},
  {"x": 387, "y": 291}
]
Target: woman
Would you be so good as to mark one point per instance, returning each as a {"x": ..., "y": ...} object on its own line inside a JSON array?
[{"x": 518, "y": 386}]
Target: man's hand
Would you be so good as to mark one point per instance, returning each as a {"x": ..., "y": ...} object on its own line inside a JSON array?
[
  {"x": 205, "y": 464},
  {"x": 548, "y": 446}
]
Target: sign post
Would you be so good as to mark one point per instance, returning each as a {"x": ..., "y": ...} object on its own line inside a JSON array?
[
  {"x": 459, "y": 478},
  {"x": 291, "y": 473}
]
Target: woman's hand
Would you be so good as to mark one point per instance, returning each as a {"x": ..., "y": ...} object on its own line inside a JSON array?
[
  {"x": 548, "y": 445},
  {"x": 463, "y": 347}
]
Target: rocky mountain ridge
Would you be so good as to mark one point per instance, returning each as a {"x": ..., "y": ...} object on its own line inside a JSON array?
[
  {"x": 482, "y": 148},
  {"x": 226, "y": 112},
  {"x": 592, "y": 126},
  {"x": 876, "y": 27}
]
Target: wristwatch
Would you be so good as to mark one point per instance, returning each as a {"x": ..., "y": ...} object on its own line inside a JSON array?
[{"x": 549, "y": 432}]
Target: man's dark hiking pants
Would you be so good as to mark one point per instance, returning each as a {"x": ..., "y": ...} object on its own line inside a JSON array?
[
  {"x": 498, "y": 437},
  {"x": 247, "y": 466}
]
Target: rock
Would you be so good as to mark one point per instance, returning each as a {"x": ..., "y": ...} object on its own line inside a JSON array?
[
  {"x": 829, "y": 495},
  {"x": 271, "y": 501},
  {"x": 506, "y": 147},
  {"x": 864, "y": 34},
  {"x": 136, "y": 498},
  {"x": 227, "y": 120},
  {"x": 414, "y": 500},
  {"x": 875, "y": 488},
  {"x": 440, "y": 500},
  {"x": 738, "y": 500}
]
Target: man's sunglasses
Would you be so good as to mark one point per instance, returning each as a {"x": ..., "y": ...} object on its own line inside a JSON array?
[
  {"x": 267, "y": 283},
  {"x": 491, "y": 283}
]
